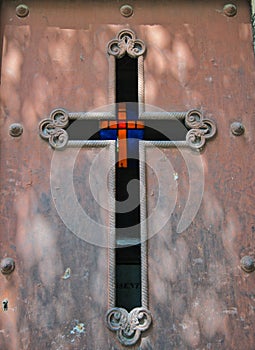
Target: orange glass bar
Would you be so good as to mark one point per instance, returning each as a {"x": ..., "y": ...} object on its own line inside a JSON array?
[
  {"x": 139, "y": 125},
  {"x": 104, "y": 124},
  {"x": 113, "y": 125},
  {"x": 122, "y": 136},
  {"x": 122, "y": 115},
  {"x": 131, "y": 125}
]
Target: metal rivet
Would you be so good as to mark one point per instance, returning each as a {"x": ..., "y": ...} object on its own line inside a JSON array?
[
  {"x": 7, "y": 266},
  {"x": 248, "y": 264},
  {"x": 126, "y": 10},
  {"x": 22, "y": 10},
  {"x": 16, "y": 130},
  {"x": 230, "y": 10},
  {"x": 237, "y": 128}
]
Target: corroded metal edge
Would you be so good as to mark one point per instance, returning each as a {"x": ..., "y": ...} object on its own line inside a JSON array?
[
  {"x": 253, "y": 30},
  {"x": 112, "y": 230},
  {"x": 163, "y": 115},
  {"x": 253, "y": 22},
  {"x": 144, "y": 230}
]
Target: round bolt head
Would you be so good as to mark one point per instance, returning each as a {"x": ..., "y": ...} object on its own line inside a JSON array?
[
  {"x": 248, "y": 264},
  {"x": 126, "y": 10},
  {"x": 237, "y": 128},
  {"x": 230, "y": 10},
  {"x": 22, "y": 10},
  {"x": 15, "y": 130},
  {"x": 7, "y": 266}
]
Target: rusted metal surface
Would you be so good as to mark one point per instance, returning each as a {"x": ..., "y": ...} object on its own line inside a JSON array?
[
  {"x": 39, "y": 72},
  {"x": 199, "y": 296}
]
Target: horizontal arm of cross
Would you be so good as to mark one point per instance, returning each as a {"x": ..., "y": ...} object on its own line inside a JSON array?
[{"x": 199, "y": 128}]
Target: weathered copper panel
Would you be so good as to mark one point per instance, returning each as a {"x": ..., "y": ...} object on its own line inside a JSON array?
[
  {"x": 196, "y": 57},
  {"x": 200, "y": 297},
  {"x": 45, "y": 304},
  {"x": 46, "y": 65}
]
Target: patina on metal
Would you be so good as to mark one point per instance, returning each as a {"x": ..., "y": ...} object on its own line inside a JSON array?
[
  {"x": 22, "y": 10},
  {"x": 230, "y": 10},
  {"x": 7, "y": 266},
  {"x": 248, "y": 264},
  {"x": 126, "y": 10},
  {"x": 237, "y": 128},
  {"x": 16, "y": 130}
]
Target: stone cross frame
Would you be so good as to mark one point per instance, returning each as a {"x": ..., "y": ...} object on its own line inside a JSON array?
[{"x": 127, "y": 325}]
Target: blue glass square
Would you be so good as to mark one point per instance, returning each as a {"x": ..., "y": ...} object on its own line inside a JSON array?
[
  {"x": 108, "y": 134},
  {"x": 133, "y": 144}
]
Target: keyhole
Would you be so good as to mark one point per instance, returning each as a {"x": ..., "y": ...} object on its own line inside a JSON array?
[{"x": 5, "y": 305}]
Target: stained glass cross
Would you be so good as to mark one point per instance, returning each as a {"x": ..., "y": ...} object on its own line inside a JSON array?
[{"x": 129, "y": 125}]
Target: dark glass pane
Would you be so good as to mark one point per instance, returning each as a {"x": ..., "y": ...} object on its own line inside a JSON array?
[{"x": 126, "y": 80}]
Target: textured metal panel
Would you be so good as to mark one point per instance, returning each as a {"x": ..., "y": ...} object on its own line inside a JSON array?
[
  {"x": 197, "y": 57},
  {"x": 57, "y": 295},
  {"x": 199, "y": 296}
]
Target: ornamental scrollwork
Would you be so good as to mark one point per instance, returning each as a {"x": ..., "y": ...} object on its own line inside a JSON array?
[
  {"x": 128, "y": 325},
  {"x": 200, "y": 129},
  {"x": 52, "y": 129},
  {"x": 126, "y": 43}
]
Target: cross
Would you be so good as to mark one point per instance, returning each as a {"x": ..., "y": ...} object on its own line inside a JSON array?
[
  {"x": 129, "y": 126},
  {"x": 125, "y": 128}
]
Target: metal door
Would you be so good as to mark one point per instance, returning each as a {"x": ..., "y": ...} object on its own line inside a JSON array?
[{"x": 199, "y": 56}]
